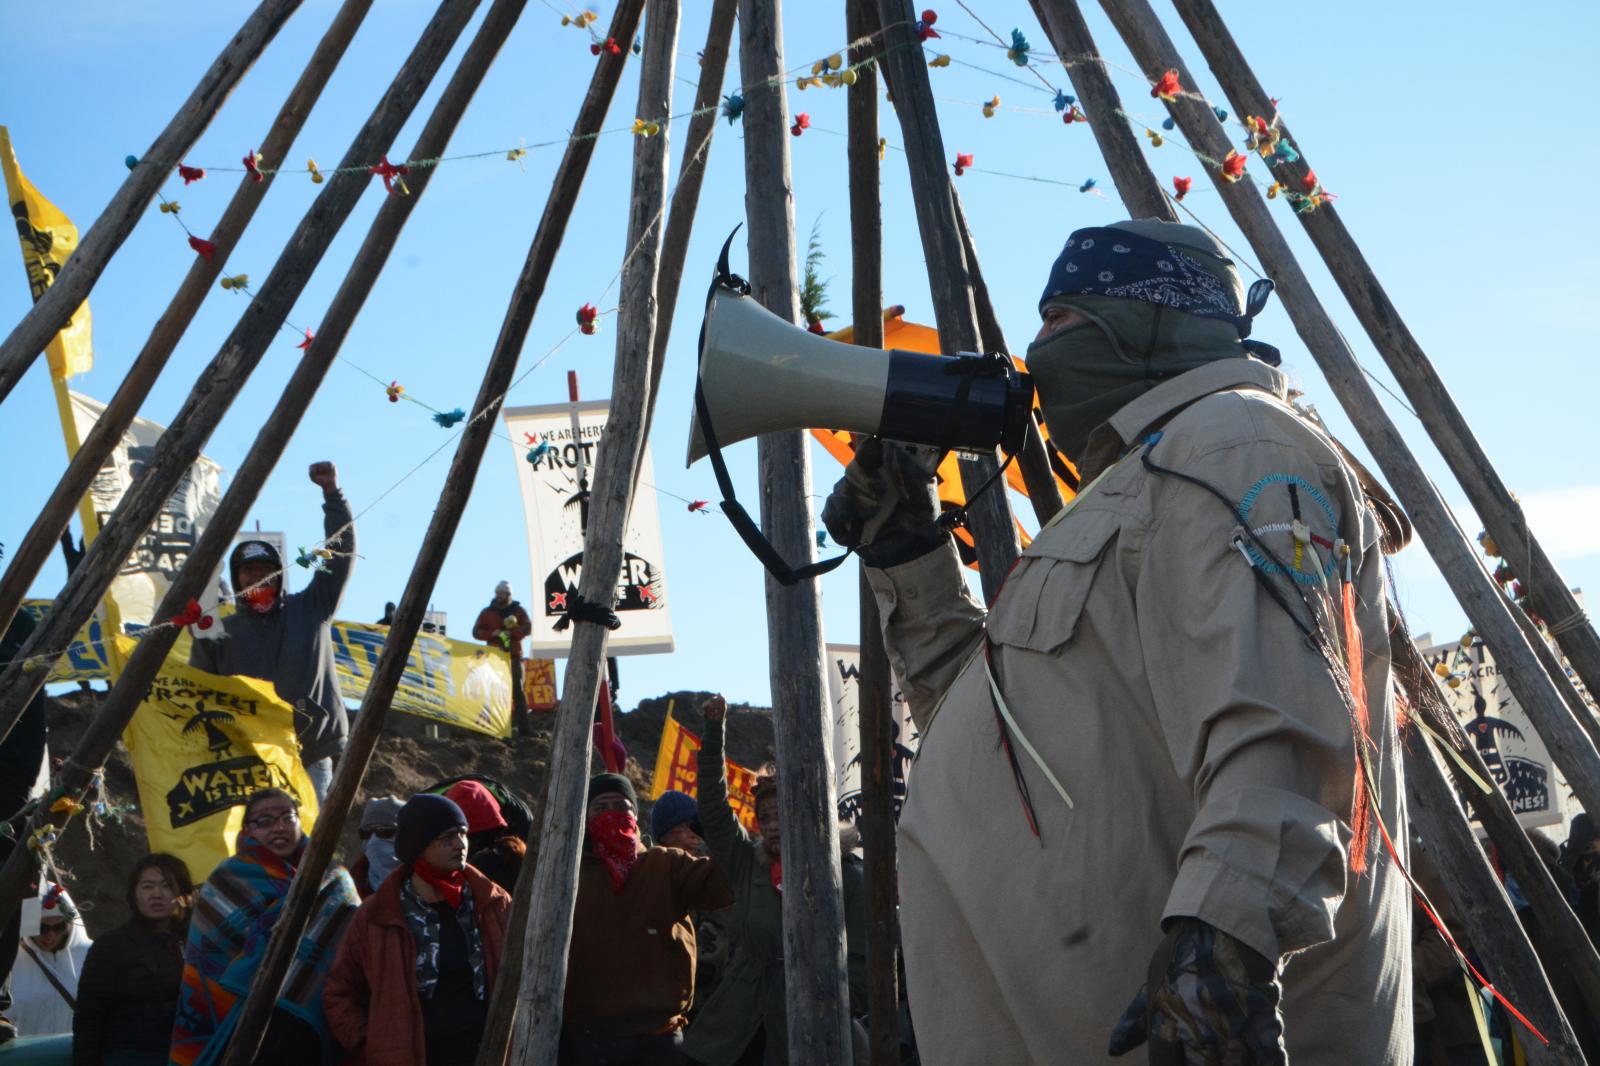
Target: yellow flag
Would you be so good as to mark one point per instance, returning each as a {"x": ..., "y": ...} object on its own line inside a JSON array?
[
  {"x": 678, "y": 768},
  {"x": 47, "y": 238},
  {"x": 200, "y": 745}
]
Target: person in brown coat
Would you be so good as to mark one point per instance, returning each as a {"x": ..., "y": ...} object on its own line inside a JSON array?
[
  {"x": 502, "y": 625},
  {"x": 630, "y": 966},
  {"x": 412, "y": 980}
]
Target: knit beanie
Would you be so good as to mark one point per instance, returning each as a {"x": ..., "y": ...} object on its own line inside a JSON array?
[
  {"x": 672, "y": 809},
  {"x": 421, "y": 821},
  {"x": 603, "y": 783},
  {"x": 379, "y": 812},
  {"x": 478, "y": 804}
]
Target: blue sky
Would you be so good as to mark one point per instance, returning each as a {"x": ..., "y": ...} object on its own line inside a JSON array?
[{"x": 1455, "y": 138}]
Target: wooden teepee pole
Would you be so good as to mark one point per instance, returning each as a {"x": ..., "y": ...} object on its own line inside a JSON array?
[
  {"x": 1070, "y": 39},
  {"x": 686, "y": 194},
  {"x": 993, "y": 528},
  {"x": 1484, "y": 603},
  {"x": 1566, "y": 938},
  {"x": 875, "y": 712},
  {"x": 1485, "y": 912},
  {"x": 408, "y": 616},
  {"x": 222, "y": 379},
  {"x": 1501, "y": 514},
  {"x": 536, "y": 1029},
  {"x": 31, "y": 553},
  {"x": 813, "y": 917},
  {"x": 120, "y": 704},
  {"x": 46, "y": 318}
]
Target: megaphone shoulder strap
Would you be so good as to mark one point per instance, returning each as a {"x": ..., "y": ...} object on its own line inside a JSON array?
[{"x": 743, "y": 524}]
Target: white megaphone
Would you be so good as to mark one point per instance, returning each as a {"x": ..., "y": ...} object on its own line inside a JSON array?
[{"x": 760, "y": 374}]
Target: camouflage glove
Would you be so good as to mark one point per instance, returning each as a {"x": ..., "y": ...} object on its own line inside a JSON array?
[
  {"x": 886, "y": 506},
  {"x": 1215, "y": 1005}
]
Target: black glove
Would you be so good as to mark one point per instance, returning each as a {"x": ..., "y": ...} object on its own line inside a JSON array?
[
  {"x": 886, "y": 505},
  {"x": 1215, "y": 1003}
]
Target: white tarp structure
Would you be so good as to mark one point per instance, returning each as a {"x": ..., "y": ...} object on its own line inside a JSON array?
[
  {"x": 1511, "y": 748},
  {"x": 555, "y": 450},
  {"x": 844, "y": 698},
  {"x": 149, "y": 569}
]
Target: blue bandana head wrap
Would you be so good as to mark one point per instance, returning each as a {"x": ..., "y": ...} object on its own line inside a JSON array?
[{"x": 1159, "y": 263}]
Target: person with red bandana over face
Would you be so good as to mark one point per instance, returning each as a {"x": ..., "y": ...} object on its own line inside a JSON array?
[
  {"x": 285, "y": 639},
  {"x": 412, "y": 981},
  {"x": 630, "y": 967}
]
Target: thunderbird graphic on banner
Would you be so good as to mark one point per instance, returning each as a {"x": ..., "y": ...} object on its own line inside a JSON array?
[{"x": 555, "y": 448}]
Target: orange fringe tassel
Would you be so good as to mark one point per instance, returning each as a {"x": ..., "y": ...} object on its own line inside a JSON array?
[{"x": 1361, "y": 811}]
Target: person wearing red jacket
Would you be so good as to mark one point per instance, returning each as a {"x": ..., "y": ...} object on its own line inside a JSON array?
[
  {"x": 502, "y": 625},
  {"x": 413, "y": 976}
]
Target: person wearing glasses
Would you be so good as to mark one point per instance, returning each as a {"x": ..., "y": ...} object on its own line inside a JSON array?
[
  {"x": 233, "y": 919},
  {"x": 128, "y": 988},
  {"x": 377, "y": 860},
  {"x": 44, "y": 980}
]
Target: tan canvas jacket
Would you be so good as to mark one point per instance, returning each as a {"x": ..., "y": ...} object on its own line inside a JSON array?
[{"x": 1191, "y": 754}]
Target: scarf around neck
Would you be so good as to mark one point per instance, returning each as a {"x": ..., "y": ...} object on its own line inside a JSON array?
[{"x": 448, "y": 883}]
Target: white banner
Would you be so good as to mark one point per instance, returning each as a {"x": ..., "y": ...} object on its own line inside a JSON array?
[
  {"x": 165, "y": 546},
  {"x": 555, "y": 467},
  {"x": 844, "y": 695},
  {"x": 1513, "y": 751}
]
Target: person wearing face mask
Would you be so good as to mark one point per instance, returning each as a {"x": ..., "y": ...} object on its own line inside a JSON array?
[
  {"x": 44, "y": 980},
  {"x": 285, "y": 638},
  {"x": 378, "y": 859},
  {"x": 128, "y": 990},
  {"x": 412, "y": 981},
  {"x": 1164, "y": 761},
  {"x": 631, "y": 963},
  {"x": 233, "y": 918},
  {"x": 746, "y": 1019}
]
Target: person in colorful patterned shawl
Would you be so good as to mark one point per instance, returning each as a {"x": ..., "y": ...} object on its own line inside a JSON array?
[{"x": 233, "y": 919}]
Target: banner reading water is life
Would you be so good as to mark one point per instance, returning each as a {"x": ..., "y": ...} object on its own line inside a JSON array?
[{"x": 200, "y": 745}]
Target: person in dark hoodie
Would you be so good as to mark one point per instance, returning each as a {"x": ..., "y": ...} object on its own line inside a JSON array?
[
  {"x": 501, "y": 626},
  {"x": 285, "y": 639},
  {"x": 492, "y": 848},
  {"x": 128, "y": 989}
]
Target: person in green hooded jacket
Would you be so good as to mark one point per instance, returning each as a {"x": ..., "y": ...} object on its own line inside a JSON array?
[{"x": 744, "y": 1022}]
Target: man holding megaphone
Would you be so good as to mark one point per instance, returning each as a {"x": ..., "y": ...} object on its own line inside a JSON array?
[{"x": 1162, "y": 763}]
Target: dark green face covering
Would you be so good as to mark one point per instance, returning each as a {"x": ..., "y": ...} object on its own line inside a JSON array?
[{"x": 1085, "y": 373}]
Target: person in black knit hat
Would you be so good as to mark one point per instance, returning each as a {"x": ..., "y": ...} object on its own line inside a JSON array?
[
  {"x": 414, "y": 973},
  {"x": 631, "y": 964}
]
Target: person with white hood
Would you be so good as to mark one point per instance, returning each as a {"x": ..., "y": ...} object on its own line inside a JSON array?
[{"x": 44, "y": 979}]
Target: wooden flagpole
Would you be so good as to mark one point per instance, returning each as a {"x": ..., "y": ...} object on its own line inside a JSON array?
[
  {"x": 536, "y": 1029},
  {"x": 83, "y": 268},
  {"x": 33, "y": 550},
  {"x": 222, "y": 379}
]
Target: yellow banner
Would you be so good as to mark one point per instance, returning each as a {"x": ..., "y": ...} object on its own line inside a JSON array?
[
  {"x": 449, "y": 681},
  {"x": 48, "y": 238},
  {"x": 676, "y": 768},
  {"x": 200, "y": 745},
  {"x": 539, "y": 684}
]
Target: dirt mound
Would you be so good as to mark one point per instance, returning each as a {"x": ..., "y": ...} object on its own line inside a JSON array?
[{"x": 406, "y": 761}]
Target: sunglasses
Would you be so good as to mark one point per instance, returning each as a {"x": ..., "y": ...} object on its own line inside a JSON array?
[
  {"x": 52, "y": 928},
  {"x": 382, "y": 832}
]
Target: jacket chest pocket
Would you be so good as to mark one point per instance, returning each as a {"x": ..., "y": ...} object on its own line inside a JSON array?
[{"x": 1042, "y": 604}]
